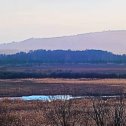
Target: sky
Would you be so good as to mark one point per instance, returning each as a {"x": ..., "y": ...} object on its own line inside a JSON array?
[{"x": 23, "y": 19}]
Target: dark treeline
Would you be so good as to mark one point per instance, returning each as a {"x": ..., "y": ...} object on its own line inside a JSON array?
[
  {"x": 70, "y": 75},
  {"x": 62, "y": 56}
]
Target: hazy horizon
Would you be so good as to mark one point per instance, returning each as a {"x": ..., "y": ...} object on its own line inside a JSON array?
[
  {"x": 60, "y": 36},
  {"x": 113, "y": 41},
  {"x": 25, "y": 19}
]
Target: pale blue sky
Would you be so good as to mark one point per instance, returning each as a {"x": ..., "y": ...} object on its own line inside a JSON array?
[{"x": 22, "y": 19}]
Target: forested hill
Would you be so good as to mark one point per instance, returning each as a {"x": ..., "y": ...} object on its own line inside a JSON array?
[{"x": 62, "y": 56}]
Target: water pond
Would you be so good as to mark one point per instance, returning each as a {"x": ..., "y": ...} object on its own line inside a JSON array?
[{"x": 55, "y": 97}]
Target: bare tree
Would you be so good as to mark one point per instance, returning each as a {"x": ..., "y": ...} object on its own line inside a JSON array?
[
  {"x": 63, "y": 112},
  {"x": 118, "y": 111},
  {"x": 100, "y": 112}
]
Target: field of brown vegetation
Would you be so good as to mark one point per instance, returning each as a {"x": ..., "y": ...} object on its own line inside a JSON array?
[
  {"x": 77, "y": 112},
  {"x": 93, "y": 111},
  {"x": 48, "y": 86}
]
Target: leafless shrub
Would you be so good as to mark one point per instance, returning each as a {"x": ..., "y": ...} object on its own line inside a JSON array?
[
  {"x": 63, "y": 112},
  {"x": 100, "y": 112},
  {"x": 118, "y": 111},
  {"x": 6, "y": 118}
]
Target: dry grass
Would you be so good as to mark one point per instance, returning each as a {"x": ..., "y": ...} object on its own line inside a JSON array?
[
  {"x": 66, "y": 81},
  {"x": 48, "y": 86},
  {"x": 39, "y": 113}
]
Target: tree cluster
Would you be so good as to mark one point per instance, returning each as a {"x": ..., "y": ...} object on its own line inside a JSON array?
[{"x": 62, "y": 56}]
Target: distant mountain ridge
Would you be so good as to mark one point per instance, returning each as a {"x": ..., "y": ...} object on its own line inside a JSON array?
[
  {"x": 114, "y": 41},
  {"x": 63, "y": 56}
]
